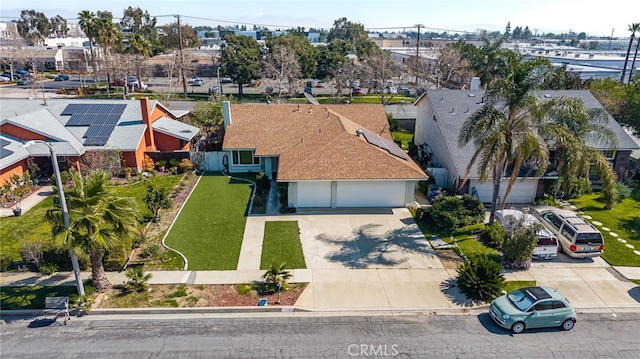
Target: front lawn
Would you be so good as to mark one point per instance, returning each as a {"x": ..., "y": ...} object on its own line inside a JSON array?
[
  {"x": 32, "y": 225},
  {"x": 281, "y": 244},
  {"x": 623, "y": 219},
  {"x": 210, "y": 227}
]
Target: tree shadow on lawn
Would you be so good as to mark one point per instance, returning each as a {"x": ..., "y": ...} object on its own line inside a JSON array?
[
  {"x": 365, "y": 248},
  {"x": 631, "y": 226}
]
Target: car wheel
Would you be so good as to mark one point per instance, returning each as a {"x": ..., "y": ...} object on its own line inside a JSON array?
[
  {"x": 518, "y": 328},
  {"x": 568, "y": 324}
]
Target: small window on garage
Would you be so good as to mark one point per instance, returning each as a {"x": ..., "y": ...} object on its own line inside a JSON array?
[{"x": 245, "y": 158}]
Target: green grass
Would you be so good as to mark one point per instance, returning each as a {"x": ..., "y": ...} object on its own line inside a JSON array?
[
  {"x": 623, "y": 219},
  {"x": 210, "y": 227},
  {"x": 282, "y": 245},
  {"x": 32, "y": 297},
  {"x": 636, "y": 281},
  {"x": 517, "y": 284},
  {"x": 404, "y": 137},
  {"x": 32, "y": 224},
  {"x": 138, "y": 189},
  {"x": 465, "y": 238}
]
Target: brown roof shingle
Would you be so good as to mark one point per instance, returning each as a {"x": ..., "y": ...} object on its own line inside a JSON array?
[{"x": 318, "y": 142}]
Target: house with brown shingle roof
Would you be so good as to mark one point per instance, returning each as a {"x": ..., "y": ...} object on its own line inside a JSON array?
[{"x": 328, "y": 155}]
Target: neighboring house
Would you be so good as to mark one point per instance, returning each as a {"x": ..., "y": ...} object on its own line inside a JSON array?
[
  {"x": 440, "y": 116},
  {"x": 328, "y": 155},
  {"x": 133, "y": 128}
]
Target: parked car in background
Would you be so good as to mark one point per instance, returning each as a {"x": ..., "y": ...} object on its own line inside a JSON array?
[
  {"x": 404, "y": 90},
  {"x": 309, "y": 90},
  {"x": 577, "y": 237},
  {"x": 532, "y": 307},
  {"x": 214, "y": 90},
  {"x": 23, "y": 73},
  {"x": 4, "y": 79},
  {"x": 547, "y": 245},
  {"x": 196, "y": 81},
  {"x": 392, "y": 90},
  {"x": 320, "y": 84},
  {"x": 26, "y": 81},
  {"x": 117, "y": 82},
  {"x": 357, "y": 91},
  {"x": 355, "y": 83},
  {"x": 61, "y": 77},
  {"x": 226, "y": 79}
]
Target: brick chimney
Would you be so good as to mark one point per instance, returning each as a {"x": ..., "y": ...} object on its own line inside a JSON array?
[{"x": 146, "y": 119}]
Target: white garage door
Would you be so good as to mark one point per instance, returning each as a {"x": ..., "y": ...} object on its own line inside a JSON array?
[
  {"x": 371, "y": 194},
  {"x": 314, "y": 194},
  {"x": 523, "y": 192}
]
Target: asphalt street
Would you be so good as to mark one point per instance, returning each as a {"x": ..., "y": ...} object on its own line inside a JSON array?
[{"x": 305, "y": 335}]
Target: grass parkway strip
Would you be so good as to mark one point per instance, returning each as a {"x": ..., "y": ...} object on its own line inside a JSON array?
[
  {"x": 210, "y": 227},
  {"x": 282, "y": 245}
]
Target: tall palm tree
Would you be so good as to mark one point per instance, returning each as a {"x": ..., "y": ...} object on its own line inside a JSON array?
[
  {"x": 98, "y": 221},
  {"x": 570, "y": 128},
  {"x": 633, "y": 28},
  {"x": 87, "y": 24},
  {"x": 633, "y": 63},
  {"x": 503, "y": 130},
  {"x": 108, "y": 37}
]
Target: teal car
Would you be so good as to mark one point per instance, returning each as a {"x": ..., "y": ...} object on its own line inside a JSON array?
[{"x": 532, "y": 307}]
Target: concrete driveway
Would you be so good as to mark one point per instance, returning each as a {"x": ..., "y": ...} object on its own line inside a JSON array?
[{"x": 354, "y": 241}]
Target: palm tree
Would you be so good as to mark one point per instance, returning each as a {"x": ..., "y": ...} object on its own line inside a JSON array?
[
  {"x": 98, "y": 221},
  {"x": 503, "y": 130},
  {"x": 635, "y": 27},
  {"x": 276, "y": 277},
  {"x": 87, "y": 24},
  {"x": 107, "y": 36},
  {"x": 633, "y": 63},
  {"x": 570, "y": 127}
]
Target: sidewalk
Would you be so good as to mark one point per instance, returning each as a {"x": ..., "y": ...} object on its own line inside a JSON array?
[
  {"x": 589, "y": 289},
  {"x": 28, "y": 202}
]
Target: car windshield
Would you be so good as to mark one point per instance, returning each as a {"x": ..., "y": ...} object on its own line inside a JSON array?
[
  {"x": 520, "y": 299},
  {"x": 593, "y": 239}
]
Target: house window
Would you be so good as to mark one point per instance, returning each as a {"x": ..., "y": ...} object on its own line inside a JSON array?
[
  {"x": 245, "y": 158},
  {"x": 609, "y": 154}
]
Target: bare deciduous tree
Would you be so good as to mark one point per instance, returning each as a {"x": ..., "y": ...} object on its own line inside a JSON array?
[{"x": 281, "y": 64}]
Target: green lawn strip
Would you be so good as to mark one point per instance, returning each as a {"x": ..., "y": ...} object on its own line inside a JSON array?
[
  {"x": 517, "y": 284},
  {"x": 32, "y": 225},
  {"x": 210, "y": 227},
  {"x": 32, "y": 297},
  {"x": 466, "y": 240},
  {"x": 623, "y": 219},
  {"x": 636, "y": 281},
  {"x": 282, "y": 245},
  {"x": 404, "y": 137},
  {"x": 138, "y": 189}
]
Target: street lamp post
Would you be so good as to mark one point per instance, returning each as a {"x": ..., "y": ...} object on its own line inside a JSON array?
[
  {"x": 65, "y": 213},
  {"x": 219, "y": 84}
]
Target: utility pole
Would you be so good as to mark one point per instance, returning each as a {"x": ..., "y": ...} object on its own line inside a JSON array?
[
  {"x": 184, "y": 80},
  {"x": 611, "y": 38},
  {"x": 418, "y": 51}
]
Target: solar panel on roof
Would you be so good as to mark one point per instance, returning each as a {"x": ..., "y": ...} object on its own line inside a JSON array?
[
  {"x": 89, "y": 114},
  {"x": 4, "y": 142},
  {"x": 383, "y": 143},
  {"x": 93, "y": 131},
  {"x": 5, "y": 152},
  {"x": 105, "y": 130}
]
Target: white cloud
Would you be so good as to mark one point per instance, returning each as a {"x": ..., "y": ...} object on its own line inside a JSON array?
[{"x": 257, "y": 14}]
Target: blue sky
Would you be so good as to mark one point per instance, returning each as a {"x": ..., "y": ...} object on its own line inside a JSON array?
[{"x": 594, "y": 18}]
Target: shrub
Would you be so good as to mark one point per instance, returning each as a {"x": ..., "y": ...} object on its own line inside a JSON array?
[
  {"x": 6, "y": 260},
  {"x": 137, "y": 280},
  {"x": 494, "y": 235},
  {"x": 518, "y": 246},
  {"x": 152, "y": 251},
  {"x": 185, "y": 165},
  {"x": 276, "y": 278},
  {"x": 148, "y": 164},
  {"x": 451, "y": 212},
  {"x": 480, "y": 279},
  {"x": 624, "y": 191},
  {"x": 48, "y": 268}
]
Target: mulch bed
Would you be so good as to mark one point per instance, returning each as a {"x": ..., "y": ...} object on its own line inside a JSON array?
[{"x": 219, "y": 295}]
